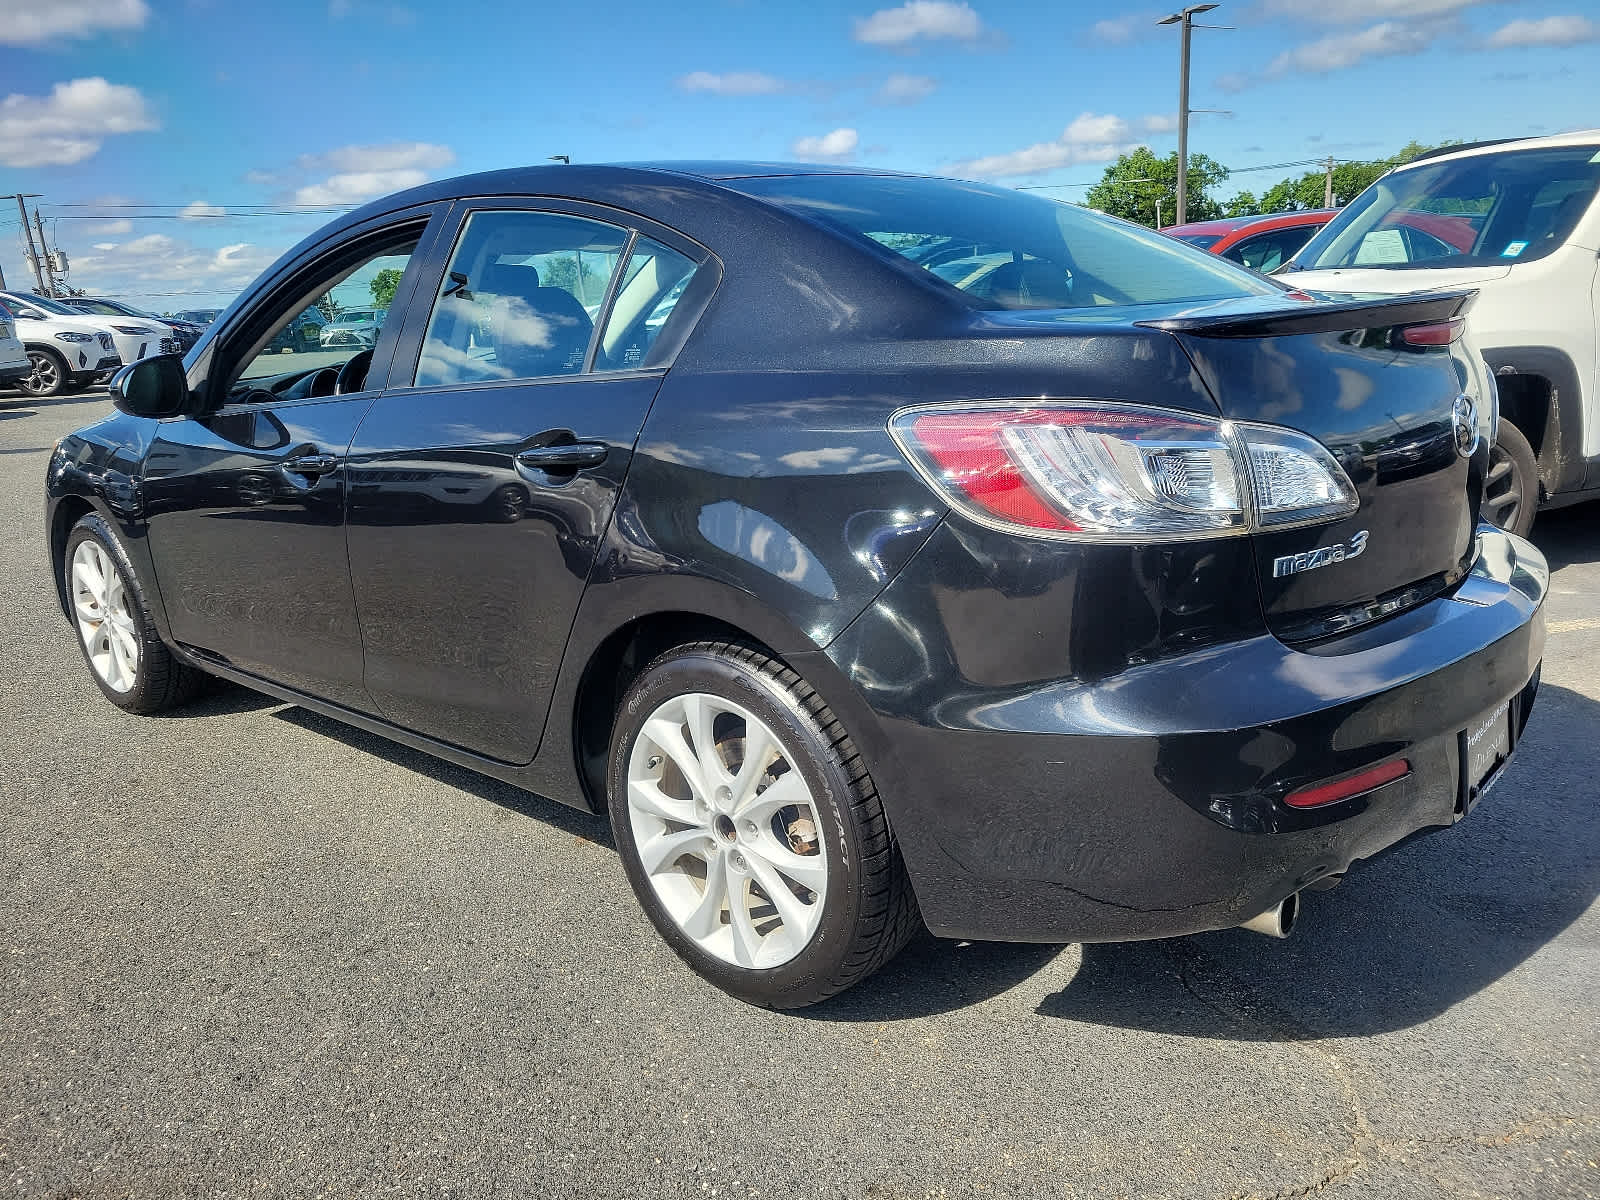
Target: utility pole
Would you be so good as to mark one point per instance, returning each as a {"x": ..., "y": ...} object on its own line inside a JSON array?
[
  {"x": 1186, "y": 19},
  {"x": 1327, "y": 189},
  {"x": 44, "y": 254},
  {"x": 27, "y": 233}
]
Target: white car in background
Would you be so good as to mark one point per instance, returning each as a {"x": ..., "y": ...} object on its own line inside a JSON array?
[
  {"x": 14, "y": 362},
  {"x": 132, "y": 338},
  {"x": 63, "y": 351},
  {"x": 1520, "y": 222}
]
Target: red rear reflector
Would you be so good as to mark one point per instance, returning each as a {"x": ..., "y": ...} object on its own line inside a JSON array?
[
  {"x": 1441, "y": 333},
  {"x": 1343, "y": 789},
  {"x": 967, "y": 447}
]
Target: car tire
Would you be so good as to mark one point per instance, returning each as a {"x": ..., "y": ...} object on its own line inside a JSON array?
[
  {"x": 810, "y": 824},
  {"x": 1511, "y": 487},
  {"x": 106, "y": 604},
  {"x": 50, "y": 375}
]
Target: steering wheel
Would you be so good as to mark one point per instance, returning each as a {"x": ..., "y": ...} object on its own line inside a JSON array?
[
  {"x": 353, "y": 375},
  {"x": 323, "y": 382}
]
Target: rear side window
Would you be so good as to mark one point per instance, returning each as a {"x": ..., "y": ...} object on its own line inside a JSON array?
[
  {"x": 1006, "y": 249},
  {"x": 1267, "y": 252},
  {"x": 520, "y": 298},
  {"x": 654, "y": 281}
]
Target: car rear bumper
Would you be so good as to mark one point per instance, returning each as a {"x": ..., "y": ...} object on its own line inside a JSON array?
[{"x": 1149, "y": 802}]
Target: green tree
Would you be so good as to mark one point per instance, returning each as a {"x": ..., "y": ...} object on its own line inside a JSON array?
[
  {"x": 1134, "y": 185},
  {"x": 1242, "y": 205},
  {"x": 1350, "y": 179},
  {"x": 384, "y": 285}
]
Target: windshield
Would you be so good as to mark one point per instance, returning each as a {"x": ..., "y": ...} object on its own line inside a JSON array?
[
  {"x": 354, "y": 318},
  {"x": 1486, "y": 209},
  {"x": 1006, "y": 249},
  {"x": 97, "y": 306},
  {"x": 50, "y": 306}
]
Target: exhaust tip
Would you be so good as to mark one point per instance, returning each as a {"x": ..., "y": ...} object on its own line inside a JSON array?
[{"x": 1278, "y": 921}]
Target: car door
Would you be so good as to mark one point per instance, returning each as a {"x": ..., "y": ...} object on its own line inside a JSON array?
[
  {"x": 246, "y": 501},
  {"x": 482, "y": 480}
]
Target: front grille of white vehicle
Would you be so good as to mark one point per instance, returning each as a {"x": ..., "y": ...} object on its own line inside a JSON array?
[
  {"x": 5, "y": 330},
  {"x": 170, "y": 346},
  {"x": 106, "y": 343}
]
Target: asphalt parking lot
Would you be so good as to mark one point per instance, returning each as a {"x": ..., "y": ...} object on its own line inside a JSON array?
[{"x": 248, "y": 952}]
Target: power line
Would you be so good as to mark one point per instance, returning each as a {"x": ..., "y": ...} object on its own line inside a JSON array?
[{"x": 1232, "y": 171}]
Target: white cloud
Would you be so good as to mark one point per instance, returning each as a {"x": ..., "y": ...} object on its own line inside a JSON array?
[
  {"x": 1384, "y": 40},
  {"x": 733, "y": 83},
  {"x": 114, "y": 228},
  {"x": 69, "y": 124},
  {"x": 1117, "y": 30},
  {"x": 919, "y": 18},
  {"x": 391, "y": 157},
  {"x": 839, "y": 144},
  {"x": 1091, "y": 138},
  {"x": 1548, "y": 31},
  {"x": 901, "y": 88},
  {"x": 28, "y": 22},
  {"x": 200, "y": 210},
  {"x": 1159, "y": 123},
  {"x": 352, "y": 187},
  {"x": 158, "y": 262},
  {"x": 1349, "y": 12},
  {"x": 364, "y": 172}
]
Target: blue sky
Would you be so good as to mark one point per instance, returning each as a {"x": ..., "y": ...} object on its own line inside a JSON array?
[{"x": 242, "y": 125}]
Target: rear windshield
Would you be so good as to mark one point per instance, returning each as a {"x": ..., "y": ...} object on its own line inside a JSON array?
[
  {"x": 1005, "y": 249},
  {"x": 1490, "y": 208},
  {"x": 1201, "y": 241}
]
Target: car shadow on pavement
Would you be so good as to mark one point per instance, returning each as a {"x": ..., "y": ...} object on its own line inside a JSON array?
[
  {"x": 588, "y": 826},
  {"x": 1569, "y": 535},
  {"x": 1404, "y": 938}
]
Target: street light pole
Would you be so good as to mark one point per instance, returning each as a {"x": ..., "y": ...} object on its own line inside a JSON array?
[{"x": 1186, "y": 19}]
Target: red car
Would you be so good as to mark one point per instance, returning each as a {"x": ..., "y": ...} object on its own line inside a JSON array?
[{"x": 1260, "y": 243}]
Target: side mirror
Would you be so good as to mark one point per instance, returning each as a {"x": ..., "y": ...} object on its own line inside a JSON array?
[{"x": 152, "y": 387}]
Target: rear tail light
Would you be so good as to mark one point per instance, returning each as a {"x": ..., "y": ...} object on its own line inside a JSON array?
[
  {"x": 1353, "y": 785},
  {"x": 1111, "y": 472},
  {"x": 1439, "y": 333}
]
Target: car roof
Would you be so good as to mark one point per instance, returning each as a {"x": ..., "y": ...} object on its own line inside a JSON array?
[
  {"x": 1577, "y": 137},
  {"x": 1307, "y": 216}
]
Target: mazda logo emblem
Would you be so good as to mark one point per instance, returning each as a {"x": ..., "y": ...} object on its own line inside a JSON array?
[{"x": 1464, "y": 421}]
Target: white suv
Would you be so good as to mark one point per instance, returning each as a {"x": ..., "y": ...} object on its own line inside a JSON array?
[
  {"x": 63, "y": 356},
  {"x": 1519, "y": 221},
  {"x": 15, "y": 365}
]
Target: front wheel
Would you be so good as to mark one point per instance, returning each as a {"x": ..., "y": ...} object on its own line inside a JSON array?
[
  {"x": 49, "y": 377},
  {"x": 127, "y": 658},
  {"x": 1511, "y": 488},
  {"x": 750, "y": 830}
]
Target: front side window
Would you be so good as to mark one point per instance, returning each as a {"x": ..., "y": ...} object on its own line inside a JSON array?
[
  {"x": 520, "y": 298},
  {"x": 1006, "y": 249},
  {"x": 1488, "y": 208},
  {"x": 295, "y": 343}
]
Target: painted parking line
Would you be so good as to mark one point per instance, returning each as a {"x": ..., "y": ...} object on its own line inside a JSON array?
[{"x": 1573, "y": 626}]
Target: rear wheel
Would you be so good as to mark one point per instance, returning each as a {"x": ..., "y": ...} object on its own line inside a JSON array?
[
  {"x": 49, "y": 377},
  {"x": 128, "y": 659},
  {"x": 1511, "y": 488},
  {"x": 750, "y": 830}
]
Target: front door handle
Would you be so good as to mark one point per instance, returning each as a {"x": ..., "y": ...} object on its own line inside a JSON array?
[
  {"x": 311, "y": 464},
  {"x": 569, "y": 456}
]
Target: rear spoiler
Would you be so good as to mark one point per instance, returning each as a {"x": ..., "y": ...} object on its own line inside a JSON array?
[{"x": 1324, "y": 315}]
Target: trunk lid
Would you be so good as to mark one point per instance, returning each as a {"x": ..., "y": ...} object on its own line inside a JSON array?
[{"x": 1338, "y": 369}]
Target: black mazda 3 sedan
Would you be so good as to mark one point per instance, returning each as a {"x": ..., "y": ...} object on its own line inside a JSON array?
[{"x": 875, "y": 549}]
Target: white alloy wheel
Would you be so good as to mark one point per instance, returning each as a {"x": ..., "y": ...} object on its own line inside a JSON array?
[
  {"x": 100, "y": 606},
  {"x": 727, "y": 831}
]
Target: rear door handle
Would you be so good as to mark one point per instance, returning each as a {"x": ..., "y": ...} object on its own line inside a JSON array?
[
  {"x": 564, "y": 457},
  {"x": 311, "y": 464}
]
